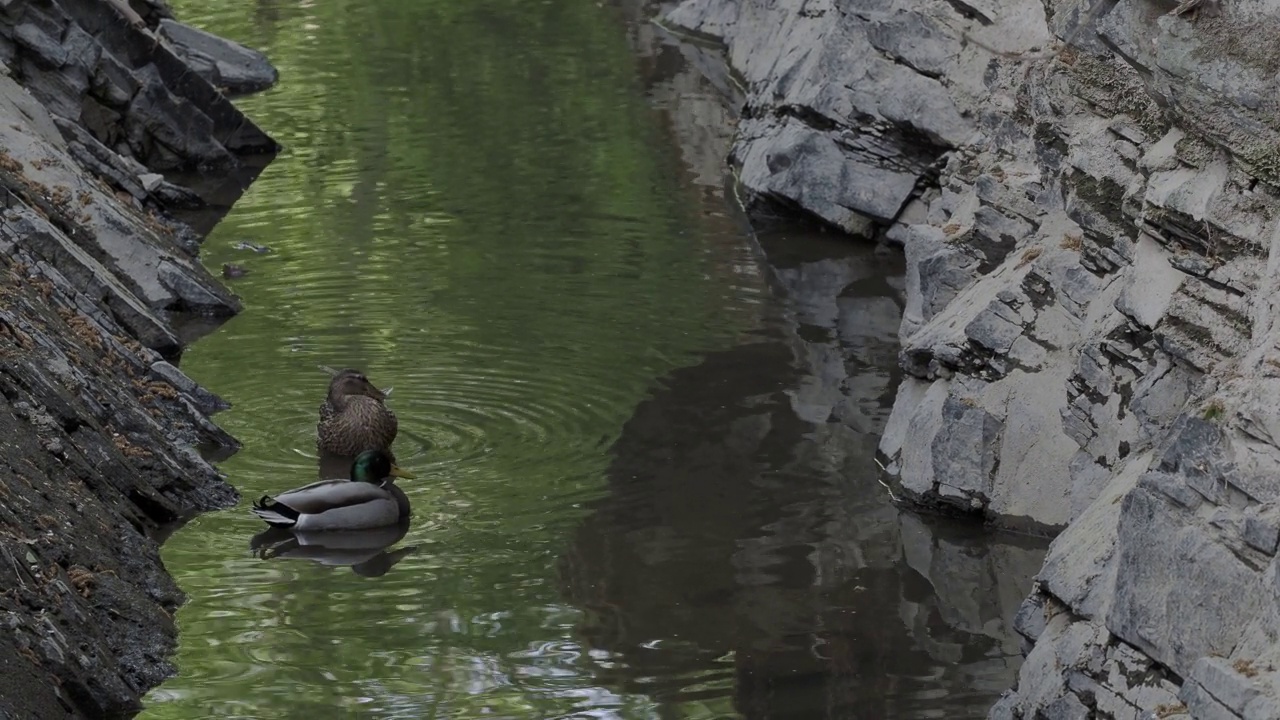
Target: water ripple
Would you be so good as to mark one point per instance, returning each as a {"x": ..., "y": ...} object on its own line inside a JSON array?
[{"x": 499, "y": 232}]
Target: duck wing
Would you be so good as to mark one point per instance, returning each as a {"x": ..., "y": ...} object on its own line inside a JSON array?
[
  {"x": 330, "y": 505},
  {"x": 327, "y": 495}
]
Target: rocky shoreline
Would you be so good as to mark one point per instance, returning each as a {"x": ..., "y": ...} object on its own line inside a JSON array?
[
  {"x": 101, "y": 114},
  {"x": 1087, "y": 197}
]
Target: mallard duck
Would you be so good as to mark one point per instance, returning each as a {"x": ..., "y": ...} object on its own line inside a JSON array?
[
  {"x": 354, "y": 417},
  {"x": 370, "y": 499}
]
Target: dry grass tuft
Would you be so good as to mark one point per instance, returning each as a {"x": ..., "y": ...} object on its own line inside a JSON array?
[
  {"x": 9, "y": 164},
  {"x": 86, "y": 331},
  {"x": 151, "y": 392},
  {"x": 128, "y": 449},
  {"x": 28, "y": 654},
  {"x": 60, "y": 196},
  {"x": 82, "y": 579},
  {"x": 1245, "y": 668}
]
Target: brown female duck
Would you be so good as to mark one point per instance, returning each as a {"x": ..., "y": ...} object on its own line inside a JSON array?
[{"x": 354, "y": 417}]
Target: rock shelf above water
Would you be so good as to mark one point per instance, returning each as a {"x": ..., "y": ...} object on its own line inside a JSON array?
[{"x": 98, "y": 119}]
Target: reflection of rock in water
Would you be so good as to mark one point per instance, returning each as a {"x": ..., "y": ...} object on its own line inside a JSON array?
[
  {"x": 844, "y": 312},
  {"x": 746, "y": 547}
]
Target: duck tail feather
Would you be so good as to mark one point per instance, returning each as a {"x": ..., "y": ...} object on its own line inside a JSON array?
[{"x": 275, "y": 513}]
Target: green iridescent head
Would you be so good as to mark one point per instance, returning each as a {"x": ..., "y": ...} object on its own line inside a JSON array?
[{"x": 374, "y": 466}]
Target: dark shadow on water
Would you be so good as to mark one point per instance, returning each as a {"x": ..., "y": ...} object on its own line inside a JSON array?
[{"x": 747, "y": 549}]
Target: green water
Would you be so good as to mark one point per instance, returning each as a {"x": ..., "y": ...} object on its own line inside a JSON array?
[
  {"x": 475, "y": 207},
  {"x": 485, "y": 205}
]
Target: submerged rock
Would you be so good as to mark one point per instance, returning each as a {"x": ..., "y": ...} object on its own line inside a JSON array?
[
  {"x": 232, "y": 271},
  {"x": 251, "y": 246},
  {"x": 1087, "y": 196}
]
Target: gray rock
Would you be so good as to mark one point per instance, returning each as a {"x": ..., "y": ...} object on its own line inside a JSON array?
[
  {"x": 112, "y": 82},
  {"x": 99, "y": 159},
  {"x": 83, "y": 52},
  {"x": 996, "y": 328},
  {"x": 176, "y": 196},
  {"x": 107, "y": 455},
  {"x": 936, "y": 272},
  {"x": 48, "y": 49},
  {"x": 160, "y": 125},
  {"x": 1030, "y": 620},
  {"x": 793, "y": 162},
  {"x": 150, "y": 181},
  {"x": 1066, "y": 708},
  {"x": 1203, "y": 706},
  {"x": 222, "y": 62},
  {"x": 964, "y": 451},
  {"x": 1006, "y": 708},
  {"x": 852, "y": 145},
  {"x": 916, "y": 40},
  {"x": 57, "y": 89},
  {"x": 1164, "y": 553},
  {"x": 112, "y": 77},
  {"x": 1217, "y": 677},
  {"x": 207, "y": 402},
  {"x": 1263, "y": 707},
  {"x": 1174, "y": 488},
  {"x": 193, "y": 293},
  {"x": 1262, "y": 530},
  {"x": 1194, "y": 452}
]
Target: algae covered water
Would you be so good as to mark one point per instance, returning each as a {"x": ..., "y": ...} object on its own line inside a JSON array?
[{"x": 645, "y": 483}]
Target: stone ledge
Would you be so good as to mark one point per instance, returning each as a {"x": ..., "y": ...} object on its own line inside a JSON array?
[{"x": 99, "y": 426}]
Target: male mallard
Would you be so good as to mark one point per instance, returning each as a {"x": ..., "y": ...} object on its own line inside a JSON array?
[
  {"x": 370, "y": 499},
  {"x": 354, "y": 417}
]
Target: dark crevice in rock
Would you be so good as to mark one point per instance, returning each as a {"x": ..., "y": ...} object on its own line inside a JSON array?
[
  {"x": 969, "y": 12},
  {"x": 808, "y": 116},
  {"x": 1176, "y": 230},
  {"x": 899, "y": 60}
]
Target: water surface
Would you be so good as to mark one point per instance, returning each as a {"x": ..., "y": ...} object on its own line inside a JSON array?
[{"x": 644, "y": 441}]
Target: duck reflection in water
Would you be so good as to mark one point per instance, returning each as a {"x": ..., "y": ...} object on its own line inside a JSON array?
[{"x": 366, "y": 552}]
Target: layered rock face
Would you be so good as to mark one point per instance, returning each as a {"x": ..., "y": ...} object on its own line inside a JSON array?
[
  {"x": 1087, "y": 198},
  {"x": 99, "y": 427}
]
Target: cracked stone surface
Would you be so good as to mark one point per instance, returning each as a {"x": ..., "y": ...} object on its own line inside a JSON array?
[{"x": 1088, "y": 200}]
